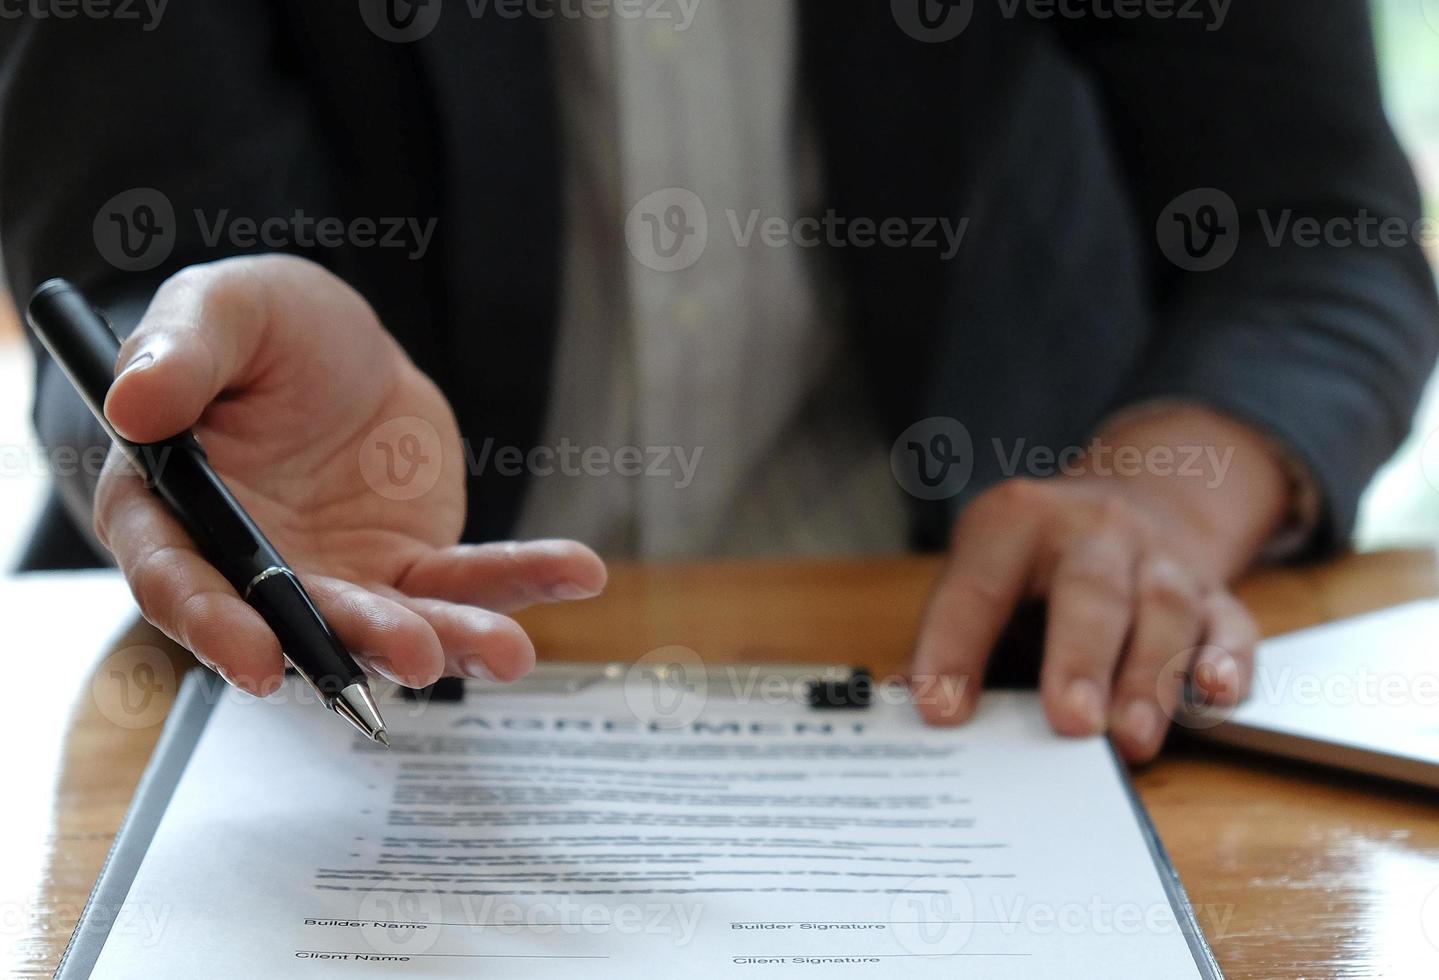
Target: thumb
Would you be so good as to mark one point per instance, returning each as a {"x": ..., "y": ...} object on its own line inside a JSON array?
[{"x": 198, "y": 338}]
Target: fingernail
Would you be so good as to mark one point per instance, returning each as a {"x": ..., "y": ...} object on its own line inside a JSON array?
[
  {"x": 1218, "y": 673},
  {"x": 475, "y": 667},
  {"x": 383, "y": 668},
  {"x": 570, "y": 591},
  {"x": 1142, "y": 724},
  {"x": 139, "y": 362},
  {"x": 1086, "y": 704}
]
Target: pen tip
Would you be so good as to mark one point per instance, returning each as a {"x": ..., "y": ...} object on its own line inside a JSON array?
[
  {"x": 382, "y": 738},
  {"x": 357, "y": 706}
]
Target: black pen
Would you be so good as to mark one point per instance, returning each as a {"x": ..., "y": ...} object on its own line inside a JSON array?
[{"x": 85, "y": 347}]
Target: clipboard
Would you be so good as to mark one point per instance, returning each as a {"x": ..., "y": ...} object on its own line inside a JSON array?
[{"x": 202, "y": 690}]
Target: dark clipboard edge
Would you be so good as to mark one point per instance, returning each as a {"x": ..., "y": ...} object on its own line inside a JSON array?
[
  {"x": 197, "y": 698},
  {"x": 1169, "y": 878}
]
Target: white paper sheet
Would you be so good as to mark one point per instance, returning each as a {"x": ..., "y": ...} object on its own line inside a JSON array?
[{"x": 596, "y": 835}]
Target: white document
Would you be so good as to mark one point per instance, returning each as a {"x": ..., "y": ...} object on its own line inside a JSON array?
[{"x": 612, "y": 833}]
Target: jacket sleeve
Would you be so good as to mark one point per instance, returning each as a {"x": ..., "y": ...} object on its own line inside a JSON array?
[
  {"x": 123, "y": 144},
  {"x": 1257, "y": 129}
]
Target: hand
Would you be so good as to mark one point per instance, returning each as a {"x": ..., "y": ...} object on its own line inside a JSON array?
[
  {"x": 1133, "y": 571},
  {"x": 297, "y": 393}
]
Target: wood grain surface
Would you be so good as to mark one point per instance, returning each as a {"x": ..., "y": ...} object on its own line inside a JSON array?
[{"x": 1295, "y": 871}]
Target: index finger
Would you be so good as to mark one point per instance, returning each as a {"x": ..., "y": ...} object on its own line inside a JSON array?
[
  {"x": 988, "y": 573},
  {"x": 176, "y": 589}
]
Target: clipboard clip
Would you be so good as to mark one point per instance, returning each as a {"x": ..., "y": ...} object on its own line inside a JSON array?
[{"x": 826, "y": 687}]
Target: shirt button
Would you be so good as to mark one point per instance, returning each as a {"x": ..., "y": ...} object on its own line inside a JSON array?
[
  {"x": 663, "y": 37},
  {"x": 689, "y": 312}
]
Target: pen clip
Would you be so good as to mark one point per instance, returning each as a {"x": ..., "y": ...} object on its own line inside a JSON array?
[{"x": 326, "y": 701}]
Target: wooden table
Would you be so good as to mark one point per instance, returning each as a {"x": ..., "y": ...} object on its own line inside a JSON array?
[{"x": 1296, "y": 872}]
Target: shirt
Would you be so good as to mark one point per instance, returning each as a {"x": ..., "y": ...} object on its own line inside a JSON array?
[{"x": 703, "y": 401}]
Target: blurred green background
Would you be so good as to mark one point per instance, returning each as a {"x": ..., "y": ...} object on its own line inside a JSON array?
[{"x": 1402, "y": 506}]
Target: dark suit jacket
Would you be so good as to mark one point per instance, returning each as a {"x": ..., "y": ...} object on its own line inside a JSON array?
[{"x": 1061, "y": 140}]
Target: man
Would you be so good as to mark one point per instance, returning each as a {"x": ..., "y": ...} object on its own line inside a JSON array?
[{"x": 1044, "y": 272}]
